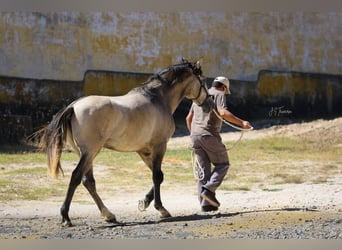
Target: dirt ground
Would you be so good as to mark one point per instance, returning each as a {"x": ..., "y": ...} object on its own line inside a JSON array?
[{"x": 294, "y": 211}]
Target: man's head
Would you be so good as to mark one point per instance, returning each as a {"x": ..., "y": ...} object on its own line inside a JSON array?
[{"x": 220, "y": 82}]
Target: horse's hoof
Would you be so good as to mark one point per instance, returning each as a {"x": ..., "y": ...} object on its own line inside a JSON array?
[
  {"x": 142, "y": 205},
  {"x": 66, "y": 223},
  {"x": 164, "y": 213},
  {"x": 108, "y": 216},
  {"x": 111, "y": 220}
]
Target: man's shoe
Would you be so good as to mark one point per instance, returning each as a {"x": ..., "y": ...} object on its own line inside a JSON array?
[
  {"x": 209, "y": 208},
  {"x": 210, "y": 197}
]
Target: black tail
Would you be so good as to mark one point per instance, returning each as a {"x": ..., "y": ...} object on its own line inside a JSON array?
[{"x": 53, "y": 137}]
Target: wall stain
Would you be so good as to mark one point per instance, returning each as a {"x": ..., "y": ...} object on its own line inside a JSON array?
[
  {"x": 35, "y": 101},
  {"x": 63, "y": 45}
]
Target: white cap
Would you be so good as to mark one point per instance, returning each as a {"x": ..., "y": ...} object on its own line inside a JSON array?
[{"x": 224, "y": 81}]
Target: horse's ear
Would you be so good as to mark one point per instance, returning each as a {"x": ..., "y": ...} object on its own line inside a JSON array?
[
  {"x": 199, "y": 63},
  {"x": 183, "y": 60}
]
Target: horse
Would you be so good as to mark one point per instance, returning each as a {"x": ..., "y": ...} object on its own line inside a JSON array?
[{"x": 140, "y": 121}]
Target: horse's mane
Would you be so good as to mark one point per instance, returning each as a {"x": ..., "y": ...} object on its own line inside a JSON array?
[
  {"x": 168, "y": 75},
  {"x": 177, "y": 70}
]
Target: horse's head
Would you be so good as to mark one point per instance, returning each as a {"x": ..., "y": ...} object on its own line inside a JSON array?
[
  {"x": 198, "y": 92},
  {"x": 186, "y": 80}
]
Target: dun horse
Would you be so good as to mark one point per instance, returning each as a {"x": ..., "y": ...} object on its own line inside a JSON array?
[{"x": 140, "y": 121}]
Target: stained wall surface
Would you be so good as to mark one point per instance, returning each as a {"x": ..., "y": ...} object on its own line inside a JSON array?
[
  {"x": 282, "y": 66},
  {"x": 63, "y": 45}
]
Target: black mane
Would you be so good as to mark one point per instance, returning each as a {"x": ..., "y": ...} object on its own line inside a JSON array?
[
  {"x": 167, "y": 77},
  {"x": 175, "y": 71}
]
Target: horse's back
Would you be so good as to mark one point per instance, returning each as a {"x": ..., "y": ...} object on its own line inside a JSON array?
[{"x": 123, "y": 123}]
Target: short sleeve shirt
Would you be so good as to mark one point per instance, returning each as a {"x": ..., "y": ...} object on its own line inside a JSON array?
[{"x": 208, "y": 123}]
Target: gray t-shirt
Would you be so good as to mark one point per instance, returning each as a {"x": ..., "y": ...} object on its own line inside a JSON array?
[{"x": 208, "y": 123}]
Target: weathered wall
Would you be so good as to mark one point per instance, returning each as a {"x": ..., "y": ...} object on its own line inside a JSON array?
[
  {"x": 26, "y": 104},
  {"x": 306, "y": 93},
  {"x": 64, "y": 45},
  {"x": 91, "y": 53},
  {"x": 111, "y": 83}
]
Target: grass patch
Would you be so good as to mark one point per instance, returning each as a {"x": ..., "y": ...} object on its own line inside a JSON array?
[
  {"x": 256, "y": 163},
  {"x": 27, "y": 171},
  {"x": 21, "y": 158},
  {"x": 320, "y": 180},
  {"x": 283, "y": 148},
  {"x": 22, "y": 183},
  {"x": 330, "y": 167},
  {"x": 235, "y": 187},
  {"x": 283, "y": 178},
  {"x": 271, "y": 189}
]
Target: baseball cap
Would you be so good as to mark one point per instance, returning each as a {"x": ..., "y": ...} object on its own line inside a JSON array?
[{"x": 224, "y": 81}]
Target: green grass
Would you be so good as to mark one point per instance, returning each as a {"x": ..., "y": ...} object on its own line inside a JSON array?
[
  {"x": 27, "y": 183},
  {"x": 272, "y": 189},
  {"x": 274, "y": 148},
  {"x": 259, "y": 163}
]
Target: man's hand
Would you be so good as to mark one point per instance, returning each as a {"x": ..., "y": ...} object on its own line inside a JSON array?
[{"x": 246, "y": 125}]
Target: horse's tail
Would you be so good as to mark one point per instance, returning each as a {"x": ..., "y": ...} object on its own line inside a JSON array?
[{"x": 53, "y": 137}]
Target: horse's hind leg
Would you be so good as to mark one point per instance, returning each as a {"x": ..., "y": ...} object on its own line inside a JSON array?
[
  {"x": 75, "y": 180},
  {"x": 89, "y": 182},
  {"x": 83, "y": 166}
]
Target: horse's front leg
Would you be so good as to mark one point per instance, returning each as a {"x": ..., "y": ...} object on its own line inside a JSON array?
[
  {"x": 149, "y": 197},
  {"x": 158, "y": 177},
  {"x": 153, "y": 158}
]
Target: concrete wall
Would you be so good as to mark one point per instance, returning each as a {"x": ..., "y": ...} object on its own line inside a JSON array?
[
  {"x": 281, "y": 65},
  {"x": 26, "y": 104},
  {"x": 64, "y": 45},
  {"x": 307, "y": 94}
]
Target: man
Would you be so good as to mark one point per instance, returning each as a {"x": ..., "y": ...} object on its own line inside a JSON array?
[{"x": 207, "y": 143}]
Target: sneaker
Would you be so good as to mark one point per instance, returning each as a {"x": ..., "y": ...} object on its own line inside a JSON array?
[
  {"x": 210, "y": 197},
  {"x": 209, "y": 208}
]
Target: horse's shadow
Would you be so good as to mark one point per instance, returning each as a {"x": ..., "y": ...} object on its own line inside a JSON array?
[{"x": 196, "y": 217}]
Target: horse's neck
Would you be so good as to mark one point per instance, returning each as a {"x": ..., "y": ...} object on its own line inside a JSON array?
[
  {"x": 173, "y": 96},
  {"x": 170, "y": 94}
]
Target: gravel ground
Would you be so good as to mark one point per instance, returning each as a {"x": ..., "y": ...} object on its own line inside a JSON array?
[
  {"x": 290, "y": 211},
  {"x": 296, "y": 211}
]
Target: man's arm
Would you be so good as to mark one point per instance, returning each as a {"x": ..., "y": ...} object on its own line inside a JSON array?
[
  {"x": 227, "y": 115},
  {"x": 188, "y": 119}
]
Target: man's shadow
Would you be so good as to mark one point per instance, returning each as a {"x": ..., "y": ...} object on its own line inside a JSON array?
[{"x": 197, "y": 217}]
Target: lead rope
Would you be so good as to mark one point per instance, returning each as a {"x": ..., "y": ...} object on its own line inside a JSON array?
[
  {"x": 196, "y": 166},
  {"x": 243, "y": 130}
]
